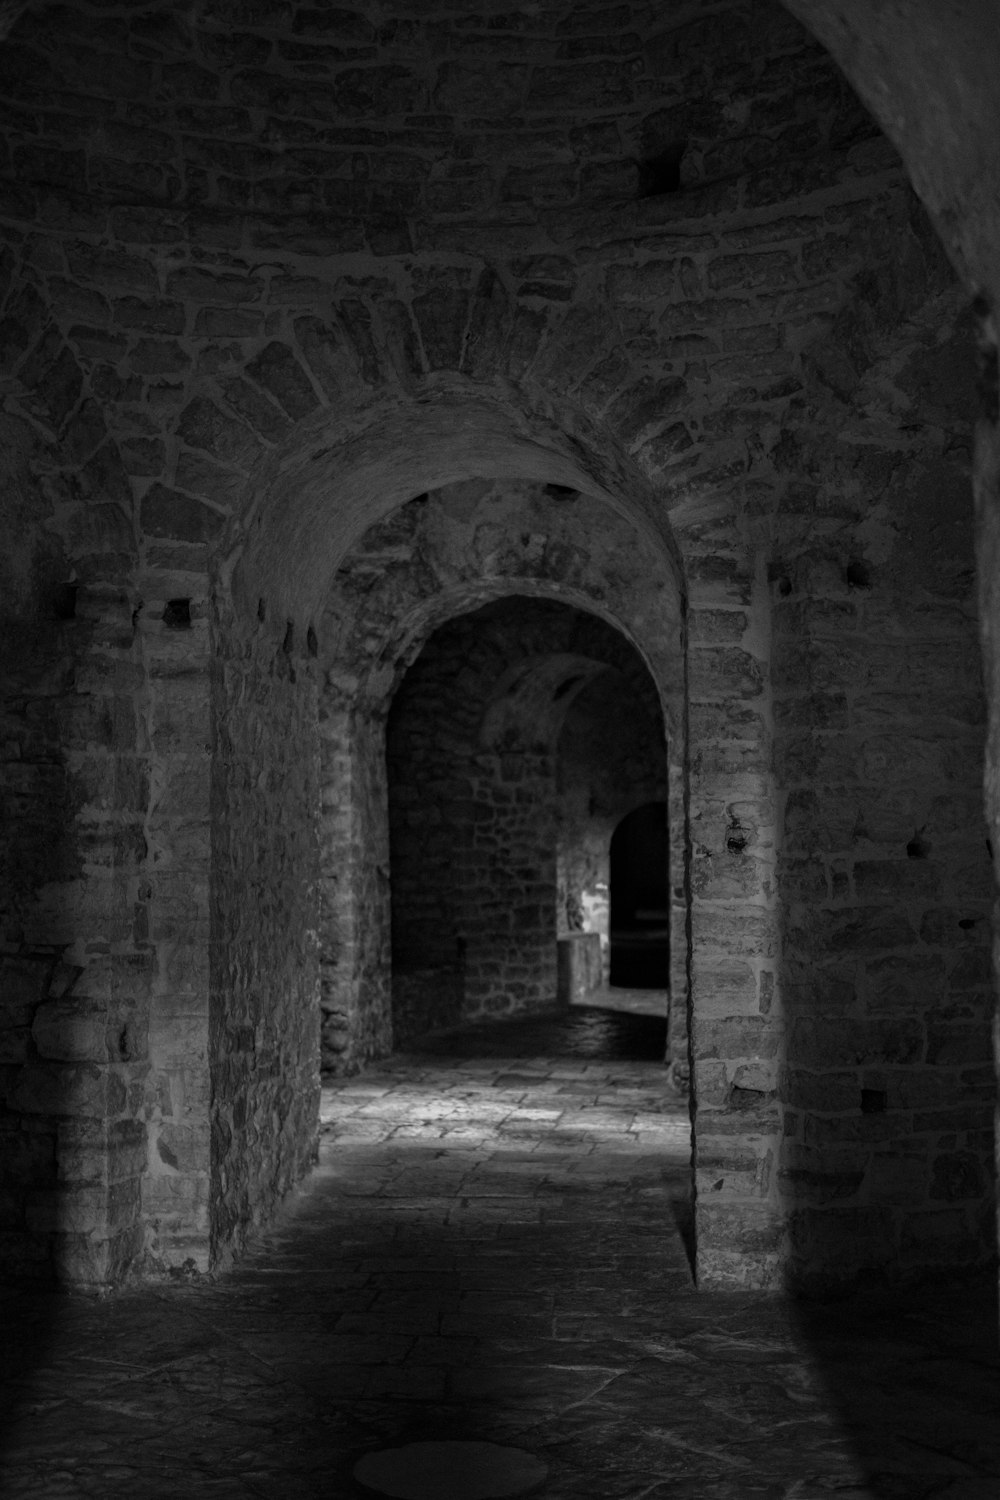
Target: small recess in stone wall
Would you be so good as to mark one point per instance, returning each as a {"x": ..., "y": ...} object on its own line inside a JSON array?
[
  {"x": 918, "y": 847},
  {"x": 561, "y": 492},
  {"x": 312, "y": 644},
  {"x": 177, "y": 614},
  {"x": 779, "y": 579},
  {"x": 858, "y": 574},
  {"x": 64, "y": 601},
  {"x": 262, "y": 610},
  {"x": 288, "y": 644},
  {"x": 737, "y": 837},
  {"x": 874, "y": 1101},
  {"x": 661, "y": 173},
  {"x": 967, "y": 923}
]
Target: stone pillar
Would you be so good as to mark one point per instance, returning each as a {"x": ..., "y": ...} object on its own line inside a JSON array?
[
  {"x": 506, "y": 893},
  {"x": 736, "y": 1031},
  {"x": 986, "y": 488},
  {"x": 355, "y": 963},
  {"x": 579, "y": 967},
  {"x": 176, "y": 636},
  {"x": 84, "y": 972}
]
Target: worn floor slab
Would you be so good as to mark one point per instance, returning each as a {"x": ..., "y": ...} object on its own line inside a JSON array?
[{"x": 493, "y": 1250}]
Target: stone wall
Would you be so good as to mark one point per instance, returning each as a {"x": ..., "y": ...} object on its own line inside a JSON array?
[
  {"x": 176, "y": 632},
  {"x": 264, "y": 1016},
  {"x": 472, "y": 832},
  {"x": 76, "y": 957},
  {"x": 355, "y": 958},
  {"x": 885, "y": 869}
]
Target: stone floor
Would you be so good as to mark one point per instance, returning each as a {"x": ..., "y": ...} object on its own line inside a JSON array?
[{"x": 493, "y": 1249}]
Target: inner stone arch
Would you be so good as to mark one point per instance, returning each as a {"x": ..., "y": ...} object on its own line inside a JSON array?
[
  {"x": 483, "y": 850},
  {"x": 342, "y": 475},
  {"x": 445, "y": 554}
]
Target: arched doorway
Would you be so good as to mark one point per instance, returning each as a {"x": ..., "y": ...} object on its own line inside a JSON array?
[
  {"x": 506, "y": 711},
  {"x": 509, "y": 718},
  {"x": 639, "y": 899}
]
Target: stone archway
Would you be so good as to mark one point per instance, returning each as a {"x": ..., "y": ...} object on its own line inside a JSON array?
[
  {"x": 443, "y": 554},
  {"x": 474, "y": 767}
]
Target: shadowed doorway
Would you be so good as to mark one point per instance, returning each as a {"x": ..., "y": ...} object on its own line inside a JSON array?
[{"x": 639, "y": 899}]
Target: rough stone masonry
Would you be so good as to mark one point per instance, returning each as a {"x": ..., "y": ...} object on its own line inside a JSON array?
[{"x": 327, "y": 329}]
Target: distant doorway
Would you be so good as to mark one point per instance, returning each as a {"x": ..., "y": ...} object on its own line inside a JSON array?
[{"x": 639, "y": 902}]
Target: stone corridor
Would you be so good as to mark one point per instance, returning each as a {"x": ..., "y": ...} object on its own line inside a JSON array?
[{"x": 493, "y": 1248}]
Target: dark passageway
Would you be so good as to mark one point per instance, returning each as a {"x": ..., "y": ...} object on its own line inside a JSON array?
[
  {"x": 640, "y": 899},
  {"x": 492, "y": 1250}
]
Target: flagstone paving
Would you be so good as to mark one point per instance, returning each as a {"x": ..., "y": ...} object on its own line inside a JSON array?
[{"x": 493, "y": 1250}]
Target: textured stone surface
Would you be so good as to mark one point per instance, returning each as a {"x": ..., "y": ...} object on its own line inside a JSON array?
[
  {"x": 270, "y": 271},
  {"x": 264, "y": 1007},
  {"x": 506, "y": 1267}
]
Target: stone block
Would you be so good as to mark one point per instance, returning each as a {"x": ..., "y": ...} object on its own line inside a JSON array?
[
  {"x": 904, "y": 983},
  {"x": 710, "y": 1083},
  {"x": 261, "y": 414},
  {"x": 724, "y": 673},
  {"x": 820, "y": 1043},
  {"x": 97, "y": 1152},
  {"x": 111, "y": 271},
  {"x": 727, "y": 877},
  {"x": 767, "y": 270},
  {"x": 950, "y": 927},
  {"x": 193, "y": 285},
  {"x": 149, "y": 316},
  {"x": 729, "y": 1177},
  {"x": 27, "y": 1156},
  {"x": 101, "y": 1211},
  {"x": 480, "y": 89},
  {"x": 827, "y": 1091},
  {"x": 202, "y": 425},
  {"x": 832, "y": 1244},
  {"x": 891, "y": 880},
  {"x": 856, "y": 930},
  {"x": 442, "y": 314},
  {"x": 955, "y": 1046},
  {"x": 72, "y": 1030},
  {"x": 277, "y": 371},
  {"x": 720, "y": 931},
  {"x": 180, "y": 1148},
  {"x": 76, "y": 1089},
  {"x": 820, "y": 1177},
  {"x": 747, "y": 1227},
  {"x": 958, "y": 1175},
  {"x": 88, "y": 1260},
  {"x": 938, "y": 1237},
  {"x": 736, "y": 1037},
  {"x": 897, "y": 1178},
  {"x": 726, "y": 989}
]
